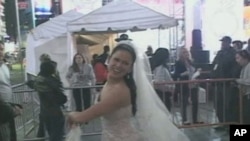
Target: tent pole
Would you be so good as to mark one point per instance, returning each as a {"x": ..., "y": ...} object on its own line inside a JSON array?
[
  {"x": 20, "y": 44},
  {"x": 159, "y": 36},
  {"x": 18, "y": 24}
]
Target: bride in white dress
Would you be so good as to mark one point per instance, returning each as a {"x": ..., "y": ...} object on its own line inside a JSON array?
[{"x": 129, "y": 106}]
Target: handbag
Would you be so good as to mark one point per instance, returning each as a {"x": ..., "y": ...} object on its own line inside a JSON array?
[
  {"x": 202, "y": 98},
  {"x": 74, "y": 134}
]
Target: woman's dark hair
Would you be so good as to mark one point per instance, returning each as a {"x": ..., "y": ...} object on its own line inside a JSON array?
[
  {"x": 244, "y": 54},
  {"x": 160, "y": 57},
  {"x": 47, "y": 69},
  {"x": 129, "y": 80},
  {"x": 74, "y": 65}
]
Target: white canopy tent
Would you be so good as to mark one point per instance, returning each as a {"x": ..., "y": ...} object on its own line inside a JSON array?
[
  {"x": 55, "y": 36},
  {"x": 120, "y": 16},
  {"x": 51, "y": 38}
]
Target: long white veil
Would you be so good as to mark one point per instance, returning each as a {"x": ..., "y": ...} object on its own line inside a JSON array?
[{"x": 153, "y": 120}]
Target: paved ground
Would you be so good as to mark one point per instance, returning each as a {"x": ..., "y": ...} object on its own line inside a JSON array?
[
  {"x": 206, "y": 114},
  {"x": 195, "y": 134}
]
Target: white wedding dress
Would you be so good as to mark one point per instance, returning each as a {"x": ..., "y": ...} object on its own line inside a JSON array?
[
  {"x": 152, "y": 121},
  {"x": 118, "y": 126}
]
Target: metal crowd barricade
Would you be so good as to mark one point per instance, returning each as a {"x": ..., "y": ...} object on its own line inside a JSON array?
[
  {"x": 27, "y": 123},
  {"x": 213, "y": 94},
  {"x": 28, "y": 98}
]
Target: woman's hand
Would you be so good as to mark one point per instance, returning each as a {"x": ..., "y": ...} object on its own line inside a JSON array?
[
  {"x": 186, "y": 73},
  {"x": 17, "y": 110},
  {"x": 72, "y": 118},
  {"x": 199, "y": 69}
]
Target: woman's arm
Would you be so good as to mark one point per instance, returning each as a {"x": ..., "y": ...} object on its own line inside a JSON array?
[{"x": 116, "y": 98}]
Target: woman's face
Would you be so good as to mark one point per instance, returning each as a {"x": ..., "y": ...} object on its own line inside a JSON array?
[
  {"x": 79, "y": 59},
  {"x": 184, "y": 54},
  {"x": 240, "y": 60},
  {"x": 120, "y": 64}
]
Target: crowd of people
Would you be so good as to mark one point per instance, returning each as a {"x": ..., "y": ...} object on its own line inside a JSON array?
[{"x": 120, "y": 99}]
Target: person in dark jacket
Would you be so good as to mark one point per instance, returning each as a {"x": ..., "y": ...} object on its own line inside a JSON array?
[
  {"x": 44, "y": 58},
  {"x": 224, "y": 66},
  {"x": 104, "y": 56},
  {"x": 52, "y": 99}
]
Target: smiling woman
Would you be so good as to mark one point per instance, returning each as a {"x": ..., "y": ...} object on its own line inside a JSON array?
[
  {"x": 129, "y": 106},
  {"x": 120, "y": 63}
]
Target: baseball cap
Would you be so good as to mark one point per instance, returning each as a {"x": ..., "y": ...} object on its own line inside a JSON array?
[{"x": 226, "y": 38}]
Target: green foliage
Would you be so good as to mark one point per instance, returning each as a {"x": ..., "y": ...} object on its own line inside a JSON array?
[{"x": 16, "y": 74}]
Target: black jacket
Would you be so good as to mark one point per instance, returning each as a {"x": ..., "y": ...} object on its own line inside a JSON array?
[
  {"x": 6, "y": 112},
  {"x": 7, "y": 122},
  {"x": 179, "y": 69},
  {"x": 50, "y": 93},
  {"x": 224, "y": 64}
]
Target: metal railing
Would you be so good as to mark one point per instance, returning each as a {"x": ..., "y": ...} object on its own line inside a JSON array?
[
  {"x": 213, "y": 99},
  {"x": 210, "y": 91}
]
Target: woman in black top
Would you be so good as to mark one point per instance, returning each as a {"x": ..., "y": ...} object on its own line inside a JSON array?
[{"x": 184, "y": 70}]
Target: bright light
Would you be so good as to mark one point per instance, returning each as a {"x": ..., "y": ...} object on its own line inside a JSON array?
[
  {"x": 221, "y": 18},
  {"x": 155, "y": 38}
]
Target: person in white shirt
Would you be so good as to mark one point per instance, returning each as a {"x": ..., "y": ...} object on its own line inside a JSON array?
[
  {"x": 5, "y": 87},
  {"x": 81, "y": 74},
  {"x": 243, "y": 59},
  {"x": 7, "y": 128},
  {"x": 161, "y": 74}
]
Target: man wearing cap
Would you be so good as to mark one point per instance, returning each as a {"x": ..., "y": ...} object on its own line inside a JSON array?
[
  {"x": 123, "y": 37},
  {"x": 224, "y": 60},
  {"x": 223, "y": 67},
  {"x": 237, "y": 45}
]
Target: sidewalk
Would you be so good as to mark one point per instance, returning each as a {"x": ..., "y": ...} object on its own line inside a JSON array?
[{"x": 195, "y": 134}]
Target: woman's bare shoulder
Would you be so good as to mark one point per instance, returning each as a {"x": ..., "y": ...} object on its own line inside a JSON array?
[{"x": 118, "y": 92}]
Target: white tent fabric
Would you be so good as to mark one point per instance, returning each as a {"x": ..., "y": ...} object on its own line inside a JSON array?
[
  {"x": 47, "y": 36},
  {"x": 120, "y": 16},
  {"x": 56, "y": 26}
]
